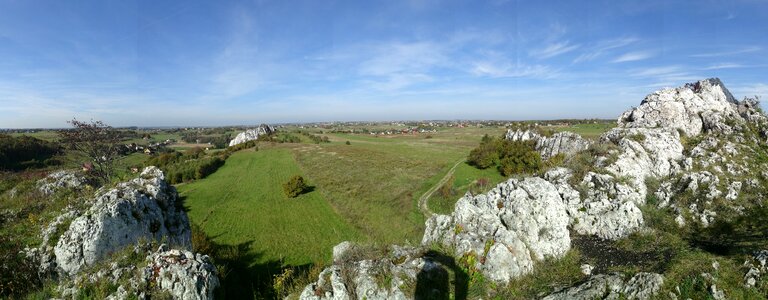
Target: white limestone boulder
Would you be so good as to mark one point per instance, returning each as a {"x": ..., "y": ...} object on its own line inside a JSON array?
[{"x": 146, "y": 207}]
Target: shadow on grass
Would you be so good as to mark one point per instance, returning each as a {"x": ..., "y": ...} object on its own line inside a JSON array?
[
  {"x": 239, "y": 275},
  {"x": 434, "y": 280}
]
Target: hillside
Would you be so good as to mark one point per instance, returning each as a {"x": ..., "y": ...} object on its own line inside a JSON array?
[{"x": 669, "y": 204}]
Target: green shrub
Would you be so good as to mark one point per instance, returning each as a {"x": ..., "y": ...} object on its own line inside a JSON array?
[
  {"x": 19, "y": 153},
  {"x": 447, "y": 190},
  {"x": 295, "y": 186},
  {"x": 18, "y": 275},
  {"x": 486, "y": 154},
  {"x": 519, "y": 157},
  {"x": 510, "y": 157}
]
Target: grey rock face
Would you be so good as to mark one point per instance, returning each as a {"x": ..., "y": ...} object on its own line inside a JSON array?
[
  {"x": 64, "y": 179},
  {"x": 613, "y": 286},
  {"x": 566, "y": 143},
  {"x": 251, "y": 134},
  {"x": 507, "y": 229},
  {"x": 757, "y": 267},
  {"x": 184, "y": 274},
  {"x": 606, "y": 210},
  {"x": 360, "y": 278},
  {"x": 145, "y": 207},
  {"x": 689, "y": 108}
]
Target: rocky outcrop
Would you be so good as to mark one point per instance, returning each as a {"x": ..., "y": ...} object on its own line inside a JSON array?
[
  {"x": 613, "y": 286},
  {"x": 504, "y": 233},
  {"x": 184, "y": 274},
  {"x": 601, "y": 211},
  {"x": 252, "y": 134},
  {"x": 757, "y": 267},
  {"x": 690, "y": 108},
  {"x": 144, "y": 273},
  {"x": 143, "y": 208},
  {"x": 507, "y": 230},
  {"x": 566, "y": 143},
  {"x": 64, "y": 179},
  {"x": 356, "y": 275}
]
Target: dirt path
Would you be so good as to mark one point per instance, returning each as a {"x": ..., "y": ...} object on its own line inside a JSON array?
[{"x": 423, "y": 200}]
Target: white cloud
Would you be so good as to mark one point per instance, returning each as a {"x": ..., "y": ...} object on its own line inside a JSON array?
[
  {"x": 633, "y": 56},
  {"x": 604, "y": 46},
  {"x": 657, "y": 71},
  {"x": 554, "y": 50},
  {"x": 498, "y": 69},
  {"x": 728, "y": 53},
  {"x": 724, "y": 66}
]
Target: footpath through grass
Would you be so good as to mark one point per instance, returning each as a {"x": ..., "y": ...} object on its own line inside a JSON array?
[{"x": 243, "y": 203}]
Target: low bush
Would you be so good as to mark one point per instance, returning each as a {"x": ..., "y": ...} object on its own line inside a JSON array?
[
  {"x": 18, "y": 275},
  {"x": 510, "y": 157},
  {"x": 295, "y": 186},
  {"x": 193, "y": 164}
]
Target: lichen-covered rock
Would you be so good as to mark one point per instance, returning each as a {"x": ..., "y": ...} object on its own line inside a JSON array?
[
  {"x": 606, "y": 210},
  {"x": 756, "y": 267},
  {"x": 566, "y": 143},
  {"x": 251, "y": 134},
  {"x": 507, "y": 229},
  {"x": 185, "y": 275},
  {"x": 143, "y": 273},
  {"x": 64, "y": 179},
  {"x": 689, "y": 108},
  {"x": 613, "y": 286},
  {"x": 142, "y": 208},
  {"x": 391, "y": 276}
]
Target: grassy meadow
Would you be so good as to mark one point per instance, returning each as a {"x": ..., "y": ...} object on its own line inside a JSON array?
[{"x": 243, "y": 203}]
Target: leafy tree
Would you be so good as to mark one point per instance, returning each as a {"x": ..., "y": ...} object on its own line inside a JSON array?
[
  {"x": 295, "y": 186},
  {"x": 99, "y": 143},
  {"x": 486, "y": 155},
  {"x": 18, "y": 153},
  {"x": 511, "y": 157}
]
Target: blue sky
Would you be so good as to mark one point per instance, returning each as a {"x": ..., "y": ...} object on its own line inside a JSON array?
[{"x": 165, "y": 63}]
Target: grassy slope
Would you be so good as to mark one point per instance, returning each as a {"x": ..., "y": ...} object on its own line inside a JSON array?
[
  {"x": 465, "y": 176},
  {"x": 243, "y": 202},
  {"x": 591, "y": 131},
  {"x": 375, "y": 182}
]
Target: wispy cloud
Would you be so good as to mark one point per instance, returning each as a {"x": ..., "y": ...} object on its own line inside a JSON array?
[
  {"x": 756, "y": 89},
  {"x": 604, "y": 46},
  {"x": 657, "y": 71},
  {"x": 396, "y": 65},
  {"x": 497, "y": 70},
  {"x": 554, "y": 50},
  {"x": 633, "y": 56},
  {"x": 728, "y": 53},
  {"x": 724, "y": 66}
]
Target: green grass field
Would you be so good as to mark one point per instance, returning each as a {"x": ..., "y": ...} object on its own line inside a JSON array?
[
  {"x": 588, "y": 130},
  {"x": 375, "y": 182},
  {"x": 243, "y": 202}
]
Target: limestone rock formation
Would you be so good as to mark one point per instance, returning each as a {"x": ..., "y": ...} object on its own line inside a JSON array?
[
  {"x": 252, "y": 134},
  {"x": 389, "y": 276},
  {"x": 184, "y": 274},
  {"x": 143, "y": 208},
  {"x": 566, "y": 143},
  {"x": 600, "y": 212},
  {"x": 690, "y": 108},
  {"x": 757, "y": 267},
  {"x": 613, "y": 286},
  {"x": 64, "y": 179},
  {"x": 507, "y": 229}
]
